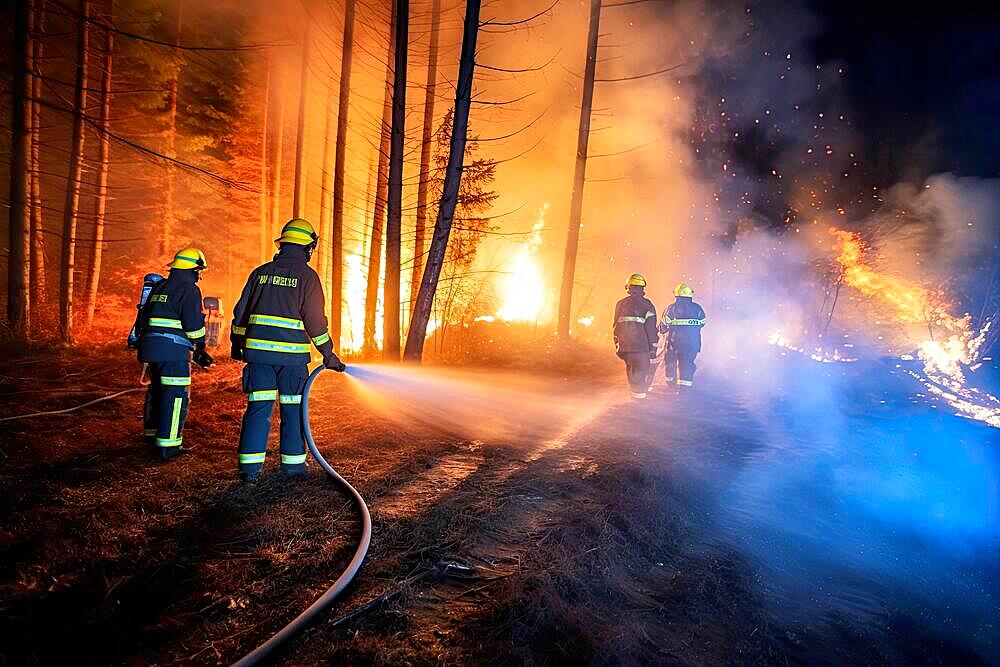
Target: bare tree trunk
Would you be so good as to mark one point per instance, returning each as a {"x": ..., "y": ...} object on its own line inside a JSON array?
[
  {"x": 299, "y": 195},
  {"x": 381, "y": 189},
  {"x": 394, "y": 221},
  {"x": 452, "y": 180},
  {"x": 92, "y": 277},
  {"x": 836, "y": 297},
  {"x": 169, "y": 214},
  {"x": 265, "y": 227},
  {"x": 72, "y": 206},
  {"x": 337, "y": 233},
  {"x": 579, "y": 175},
  {"x": 323, "y": 263},
  {"x": 18, "y": 298},
  {"x": 38, "y": 293},
  {"x": 423, "y": 183},
  {"x": 279, "y": 150}
]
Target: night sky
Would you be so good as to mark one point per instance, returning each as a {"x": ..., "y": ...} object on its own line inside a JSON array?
[{"x": 924, "y": 77}]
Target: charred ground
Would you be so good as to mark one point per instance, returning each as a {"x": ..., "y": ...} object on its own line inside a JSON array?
[{"x": 586, "y": 545}]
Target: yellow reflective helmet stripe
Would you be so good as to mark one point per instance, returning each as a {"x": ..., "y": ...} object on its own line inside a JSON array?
[
  {"x": 276, "y": 346},
  {"x": 165, "y": 323},
  {"x": 279, "y": 322}
]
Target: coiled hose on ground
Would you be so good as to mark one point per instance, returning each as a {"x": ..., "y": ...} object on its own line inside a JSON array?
[{"x": 323, "y": 601}]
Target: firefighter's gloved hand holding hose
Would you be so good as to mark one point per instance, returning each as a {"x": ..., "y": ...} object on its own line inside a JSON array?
[{"x": 255, "y": 657}]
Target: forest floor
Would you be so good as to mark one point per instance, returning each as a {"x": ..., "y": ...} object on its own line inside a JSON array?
[{"x": 592, "y": 537}]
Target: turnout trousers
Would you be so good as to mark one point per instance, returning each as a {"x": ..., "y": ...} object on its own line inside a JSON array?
[
  {"x": 679, "y": 366},
  {"x": 637, "y": 371},
  {"x": 264, "y": 384},
  {"x": 166, "y": 405}
]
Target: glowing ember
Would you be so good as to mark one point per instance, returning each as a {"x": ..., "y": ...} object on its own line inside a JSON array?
[
  {"x": 586, "y": 320},
  {"x": 818, "y": 354},
  {"x": 522, "y": 290}
]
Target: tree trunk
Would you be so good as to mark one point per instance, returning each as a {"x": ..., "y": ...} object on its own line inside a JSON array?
[
  {"x": 427, "y": 141},
  {"x": 299, "y": 195},
  {"x": 576, "y": 203},
  {"x": 449, "y": 194},
  {"x": 381, "y": 188},
  {"x": 322, "y": 250},
  {"x": 18, "y": 299},
  {"x": 337, "y": 232},
  {"x": 279, "y": 150},
  {"x": 38, "y": 293},
  {"x": 394, "y": 221},
  {"x": 92, "y": 276},
  {"x": 264, "y": 224},
  {"x": 169, "y": 214},
  {"x": 72, "y": 205}
]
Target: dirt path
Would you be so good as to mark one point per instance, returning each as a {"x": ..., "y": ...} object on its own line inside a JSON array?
[{"x": 588, "y": 535}]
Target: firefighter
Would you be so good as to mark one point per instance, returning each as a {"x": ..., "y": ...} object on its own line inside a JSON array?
[
  {"x": 278, "y": 316},
  {"x": 682, "y": 322},
  {"x": 171, "y": 327},
  {"x": 635, "y": 334}
]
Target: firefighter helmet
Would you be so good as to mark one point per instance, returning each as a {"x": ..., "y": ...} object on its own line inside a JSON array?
[
  {"x": 683, "y": 290},
  {"x": 189, "y": 258},
  {"x": 635, "y": 280},
  {"x": 297, "y": 231}
]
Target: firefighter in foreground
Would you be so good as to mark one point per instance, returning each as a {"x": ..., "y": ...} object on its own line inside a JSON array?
[
  {"x": 171, "y": 326},
  {"x": 635, "y": 334},
  {"x": 682, "y": 322},
  {"x": 278, "y": 317}
]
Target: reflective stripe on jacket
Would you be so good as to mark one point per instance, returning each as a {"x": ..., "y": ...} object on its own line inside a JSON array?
[
  {"x": 280, "y": 314},
  {"x": 682, "y": 322},
  {"x": 635, "y": 324},
  {"x": 173, "y": 321}
]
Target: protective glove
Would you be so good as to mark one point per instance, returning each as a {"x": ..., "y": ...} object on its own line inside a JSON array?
[
  {"x": 202, "y": 358},
  {"x": 236, "y": 353},
  {"x": 333, "y": 362}
]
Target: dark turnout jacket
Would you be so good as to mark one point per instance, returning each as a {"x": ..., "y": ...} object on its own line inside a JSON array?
[
  {"x": 635, "y": 324},
  {"x": 682, "y": 322},
  {"x": 280, "y": 314},
  {"x": 172, "y": 322}
]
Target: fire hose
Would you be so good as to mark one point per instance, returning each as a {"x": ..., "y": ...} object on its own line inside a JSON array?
[{"x": 323, "y": 601}]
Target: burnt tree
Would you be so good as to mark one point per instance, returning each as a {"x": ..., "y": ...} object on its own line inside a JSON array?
[
  {"x": 92, "y": 276},
  {"x": 452, "y": 181},
  {"x": 337, "y": 223},
  {"x": 426, "y": 142},
  {"x": 394, "y": 220},
  {"x": 579, "y": 174},
  {"x": 71, "y": 208}
]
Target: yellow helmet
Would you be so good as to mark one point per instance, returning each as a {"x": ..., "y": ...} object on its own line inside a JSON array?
[
  {"x": 635, "y": 279},
  {"x": 683, "y": 290},
  {"x": 189, "y": 258},
  {"x": 297, "y": 231}
]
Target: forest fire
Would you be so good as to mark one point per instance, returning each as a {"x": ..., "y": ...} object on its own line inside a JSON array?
[
  {"x": 952, "y": 345},
  {"x": 522, "y": 290}
]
